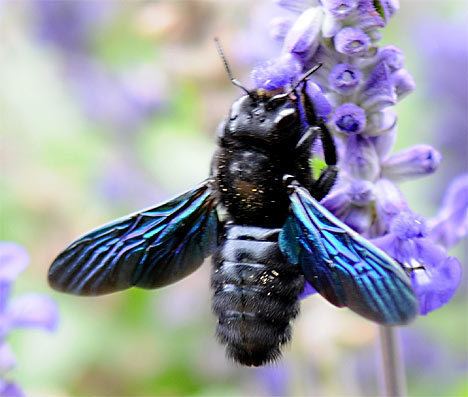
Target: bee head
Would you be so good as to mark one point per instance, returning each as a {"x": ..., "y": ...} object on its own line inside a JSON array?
[{"x": 264, "y": 118}]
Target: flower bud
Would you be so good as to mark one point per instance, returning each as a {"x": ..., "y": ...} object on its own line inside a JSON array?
[
  {"x": 392, "y": 56},
  {"x": 403, "y": 82},
  {"x": 304, "y": 36},
  {"x": 389, "y": 7},
  {"x": 344, "y": 78},
  {"x": 340, "y": 9},
  {"x": 349, "y": 119},
  {"x": 419, "y": 160},
  {"x": 322, "y": 106},
  {"x": 352, "y": 41}
]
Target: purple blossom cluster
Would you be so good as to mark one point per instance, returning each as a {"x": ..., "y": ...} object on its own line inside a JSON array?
[
  {"x": 25, "y": 311},
  {"x": 355, "y": 91},
  {"x": 119, "y": 100}
]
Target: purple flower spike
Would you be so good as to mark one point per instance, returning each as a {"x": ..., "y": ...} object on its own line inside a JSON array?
[
  {"x": 304, "y": 36},
  {"x": 340, "y": 9},
  {"x": 349, "y": 119},
  {"x": 419, "y": 160},
  {"x": 321, "y": 105},
  {"x": 277, "y": 73},
  {"x": 403, "y": 82},
  {"x": 344, "y": 78},
  {"x": 392, "y": 56},
  {"x": 352, "y": 41},
  {"x": 31, "y": 310},
  {"x": 451, "y": 223}
]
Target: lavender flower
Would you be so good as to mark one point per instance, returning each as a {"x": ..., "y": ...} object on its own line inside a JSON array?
[
  {"x": 434, "y": 275},
  {"x": 363, "y": 82},
  {"x": 26, "y": 311},
  {"x": 120, "y": 101}
]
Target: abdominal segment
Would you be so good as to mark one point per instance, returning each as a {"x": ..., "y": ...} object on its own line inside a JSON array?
[{"x": 255, "y": 294}]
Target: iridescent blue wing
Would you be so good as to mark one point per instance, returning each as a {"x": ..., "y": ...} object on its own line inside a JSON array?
[
  {"x": 147, "y": 249},
  {"x": 343, "y": 266}
]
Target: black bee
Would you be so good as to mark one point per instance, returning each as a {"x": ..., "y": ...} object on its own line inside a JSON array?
[{"x": 259, "y": 215}]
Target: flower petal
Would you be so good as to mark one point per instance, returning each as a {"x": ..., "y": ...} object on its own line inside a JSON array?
[
  {"x": 403, "y": 82},
  {"x": 435, "y": 285},
  {"x": 321, "y": 105},
  {"x": 349, "y": 118},
  {"x": 340, "y": 9},
  {"x": 392, "y": 56},
  {"x": 304, "y": 36},
  {"x": 33, "y": 310},
  {"x": 13, "y": 260},
  {"x": 352, "y": 41},
  {"x": 416, "y": 161},
  {"x": 10, "y": 389},
  {"x": 344, "y": 78}
]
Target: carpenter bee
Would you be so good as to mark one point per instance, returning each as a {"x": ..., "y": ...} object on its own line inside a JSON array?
[{"x": 259, "y": 215}]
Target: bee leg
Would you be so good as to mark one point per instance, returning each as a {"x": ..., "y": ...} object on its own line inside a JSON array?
[{"x": 323, "y": 185}]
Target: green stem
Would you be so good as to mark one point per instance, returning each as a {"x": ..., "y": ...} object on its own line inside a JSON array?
[{"x": 393, "y": 382}]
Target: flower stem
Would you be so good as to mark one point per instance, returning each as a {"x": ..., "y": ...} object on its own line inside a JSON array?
[{"x": 393, "y": 382}]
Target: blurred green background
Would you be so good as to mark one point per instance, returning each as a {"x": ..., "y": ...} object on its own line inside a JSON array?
[{"x": 110, "y": 106}]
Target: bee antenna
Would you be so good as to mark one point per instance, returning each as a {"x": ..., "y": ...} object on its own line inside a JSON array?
[
  {"x": 234, "y": 81},
  {"x": 304, "y": 78}
]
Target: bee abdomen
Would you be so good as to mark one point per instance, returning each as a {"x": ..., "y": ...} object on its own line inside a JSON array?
[{"x": 255, "y": 295}]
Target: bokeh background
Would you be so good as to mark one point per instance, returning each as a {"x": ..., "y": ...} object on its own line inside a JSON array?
[{"x": 110, "y": 106}]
